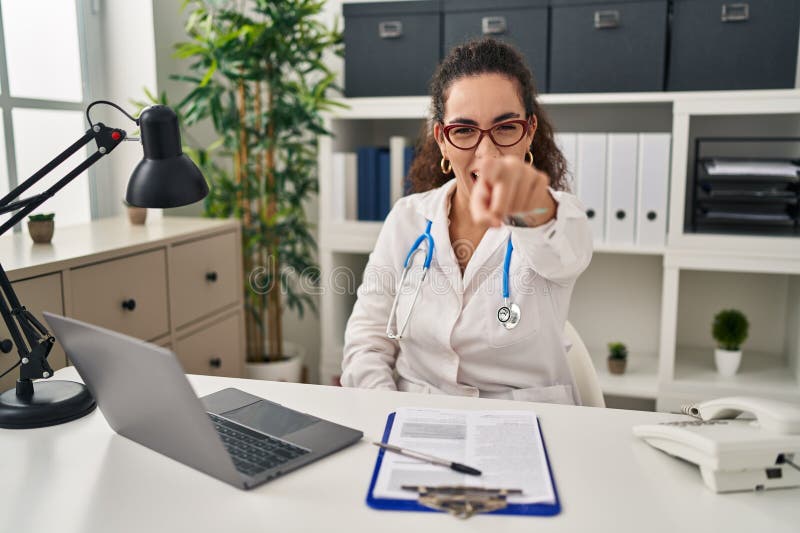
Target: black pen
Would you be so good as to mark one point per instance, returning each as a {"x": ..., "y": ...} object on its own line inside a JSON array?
[{"x": 458, "y": 467}]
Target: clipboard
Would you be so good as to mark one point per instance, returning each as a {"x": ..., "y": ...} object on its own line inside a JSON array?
[{"x": 385, "y": 504}]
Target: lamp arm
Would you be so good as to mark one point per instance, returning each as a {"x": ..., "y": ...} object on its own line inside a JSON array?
[
  {"x": 42, "y": 172},
  {"x": 35, "y": 347},
  {"x": 107, "y": 139}
]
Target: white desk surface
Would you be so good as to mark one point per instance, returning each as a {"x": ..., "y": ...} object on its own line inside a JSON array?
[{"x": 82, "y": 477}]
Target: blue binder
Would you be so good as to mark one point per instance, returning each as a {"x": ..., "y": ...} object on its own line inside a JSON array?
[
  {"x": 367, "y": 183},
  {"x": 540, "y": 509},
  {"x": 384, "y": 189}
]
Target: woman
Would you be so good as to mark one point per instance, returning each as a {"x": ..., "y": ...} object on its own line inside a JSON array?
[{"x": 491, "y": 185}]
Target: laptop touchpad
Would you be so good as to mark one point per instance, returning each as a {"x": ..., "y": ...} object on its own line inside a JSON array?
[{"x": 271, "y": 418}]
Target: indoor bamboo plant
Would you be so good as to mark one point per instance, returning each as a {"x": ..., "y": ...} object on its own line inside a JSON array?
[{"x": 257, "y": 73}]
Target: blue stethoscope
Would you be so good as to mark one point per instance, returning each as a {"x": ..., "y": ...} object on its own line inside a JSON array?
[{"x": 508, "y": 314}]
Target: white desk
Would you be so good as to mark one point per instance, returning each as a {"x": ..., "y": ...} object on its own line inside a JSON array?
[{"x": 82, "y": 477}]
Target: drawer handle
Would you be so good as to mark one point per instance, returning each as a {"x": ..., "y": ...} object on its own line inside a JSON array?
[
  {"x": 590, "y": 213},
  {"x": 129, "y": 304},
  {"x": 606, "y": 20},
  {"x": 651, "y": 215},
  {"x": 621, "y": 214},
  {"x": 735, "y": 12},
  {"x": 215, "y": 362},
  {"x": 391, "y": 29},
  {"x": 211, "y": 276},
  {"x": 493, "y": 25}
]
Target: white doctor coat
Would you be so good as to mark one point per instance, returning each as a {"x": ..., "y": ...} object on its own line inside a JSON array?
[{"x": 454, "y": 343}]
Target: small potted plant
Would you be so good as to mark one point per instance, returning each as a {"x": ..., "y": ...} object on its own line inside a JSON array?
[
  {"x": 730, "y": 331},
  {"x": 617, "y": 357},
  {"x": 41, "y": 227},
  {"x": 136, "y": 215}
]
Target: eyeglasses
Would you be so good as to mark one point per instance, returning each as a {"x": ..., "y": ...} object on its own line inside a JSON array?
[{"x": 504, "y": 134}]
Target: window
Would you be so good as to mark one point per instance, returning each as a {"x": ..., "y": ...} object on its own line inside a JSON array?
[{"x": 43, "y": 95}]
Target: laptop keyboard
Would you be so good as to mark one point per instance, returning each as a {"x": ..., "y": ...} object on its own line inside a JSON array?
[{"x": 253, "y": 452}]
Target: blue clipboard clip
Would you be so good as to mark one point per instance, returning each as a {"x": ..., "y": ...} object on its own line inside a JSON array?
[{"x": 462, "y": 502}]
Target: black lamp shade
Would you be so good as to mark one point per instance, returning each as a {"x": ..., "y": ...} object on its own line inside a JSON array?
[{"x": 166, "y": 177}]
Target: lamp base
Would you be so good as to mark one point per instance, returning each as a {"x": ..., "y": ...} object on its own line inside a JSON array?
[{"x": 52, "y": 403}]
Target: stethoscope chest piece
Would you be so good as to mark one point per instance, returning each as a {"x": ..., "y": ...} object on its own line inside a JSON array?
[{"x": 508, "y": 315}]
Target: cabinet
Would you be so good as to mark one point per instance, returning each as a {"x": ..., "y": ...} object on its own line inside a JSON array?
[
  {"x": 659, "y": 300},
  {"x": 175, "y": 282}
]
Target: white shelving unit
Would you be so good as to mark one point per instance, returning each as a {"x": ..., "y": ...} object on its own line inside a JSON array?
[{"x": 660, "y": 301}]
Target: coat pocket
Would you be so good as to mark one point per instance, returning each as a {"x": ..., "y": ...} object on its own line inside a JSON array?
[
  {"x": 409, "y": 386},
  {"x": 554, "y": 394}
]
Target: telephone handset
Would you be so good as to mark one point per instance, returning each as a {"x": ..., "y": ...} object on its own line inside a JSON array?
[
  {"x": 735, "y": 453},
  {"x": 778, "y": 417}
]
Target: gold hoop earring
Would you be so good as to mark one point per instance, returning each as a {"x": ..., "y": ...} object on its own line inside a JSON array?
[
  {"x": 446, "y": 166},
  {"x": 529, "y": 158}
]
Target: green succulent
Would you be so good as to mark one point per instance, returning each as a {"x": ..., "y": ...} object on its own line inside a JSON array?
[
  {"x": 41, "y": 217},
  {"x": 730, "y": 329},
  {"x": 617, "y": 350}
]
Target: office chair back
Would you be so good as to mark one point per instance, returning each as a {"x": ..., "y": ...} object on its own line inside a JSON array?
[{"x": 580, "y": 363}]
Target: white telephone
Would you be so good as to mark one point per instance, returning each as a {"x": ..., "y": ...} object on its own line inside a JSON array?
[{"x": 735, "y": 454}]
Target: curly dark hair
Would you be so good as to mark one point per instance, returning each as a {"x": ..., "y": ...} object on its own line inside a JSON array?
[{"x": 482, "y": 56}]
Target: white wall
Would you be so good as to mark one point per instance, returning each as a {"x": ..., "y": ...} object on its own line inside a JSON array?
[{"x": 127, "y": 64}]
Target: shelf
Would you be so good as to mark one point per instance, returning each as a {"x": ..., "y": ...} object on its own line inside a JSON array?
[
  {"x": 383, "y": 107},
  {"x": 692, "y": 102},
  {"x": 358, "y": 236},
  {"x": 349, "y": 236},
  {"x": 784, "y": 259},
  {"x": 630, "y": 249},
  {"x": 640, "y": 379},
  {"x": 759, "y": 373}
]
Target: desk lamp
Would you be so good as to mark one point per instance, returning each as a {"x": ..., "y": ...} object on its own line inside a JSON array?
[{"x": 165, "y": 177}]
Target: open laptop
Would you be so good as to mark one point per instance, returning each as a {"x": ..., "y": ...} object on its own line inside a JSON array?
[{"x": 233, "y": 436}]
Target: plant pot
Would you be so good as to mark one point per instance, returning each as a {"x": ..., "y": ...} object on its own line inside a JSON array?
[
  {"x": 41, "y": 231},
  {"x": 288, "y": 369},
  {"x": 137, "y": 215},
  {"x": 616, "y": 365},
  {"x": 727, "y": 361}
]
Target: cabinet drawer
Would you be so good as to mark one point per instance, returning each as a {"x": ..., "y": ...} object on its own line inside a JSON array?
[
  {"x": 725, "y": 45},
  {"x": 392, "y": 47},
  {"x": 523, "y": 23},
  {"x": 37, "y": 295},
  {"x": 128, "y": 295},
  {"x": 607, "y": 46},
  {"x": 215, "y": 350},
  {"x": 203, "y": 277}
]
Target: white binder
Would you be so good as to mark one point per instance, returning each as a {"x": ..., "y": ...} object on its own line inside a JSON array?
[
  {"x": 653, "y": 189},
  {"x": 351, "y": 185},
  {"x": 621, "y": 187},
  {"x": 590, "y": 178},
  {"x": 568, "y": 144},
  {"x": 344, "y": 186},
  {"x": 397, "y": 147},
  {"x": 338, "y": 187}
]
